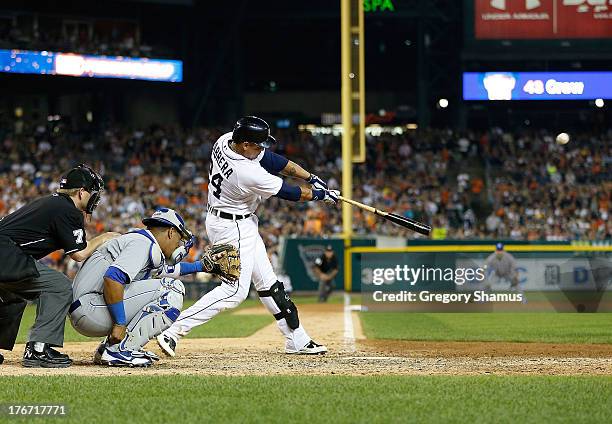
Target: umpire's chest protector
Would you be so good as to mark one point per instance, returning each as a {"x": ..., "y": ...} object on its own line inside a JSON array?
[{"x": 15, "y": 264}]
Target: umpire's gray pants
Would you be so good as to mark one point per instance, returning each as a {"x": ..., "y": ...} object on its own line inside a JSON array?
[
  {"x": 53, "y": 290},
  {"x": 89, "y": 314}
]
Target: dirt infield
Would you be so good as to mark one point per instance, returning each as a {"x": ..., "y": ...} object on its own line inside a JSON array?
[{"x": 262, "y": 354}]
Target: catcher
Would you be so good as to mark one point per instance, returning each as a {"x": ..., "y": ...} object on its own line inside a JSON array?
[{"x": 128, "y": 291}]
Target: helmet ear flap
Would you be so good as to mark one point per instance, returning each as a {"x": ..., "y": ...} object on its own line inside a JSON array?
[{"x": 254, "y": 130}]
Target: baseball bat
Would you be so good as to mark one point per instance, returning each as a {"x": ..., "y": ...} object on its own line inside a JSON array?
[{"x": 411, "y": 224}]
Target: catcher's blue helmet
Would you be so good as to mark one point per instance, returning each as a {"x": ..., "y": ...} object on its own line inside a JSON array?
[{"x": 165, "y": 217}]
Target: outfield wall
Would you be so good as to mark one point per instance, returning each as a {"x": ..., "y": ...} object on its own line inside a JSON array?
[{"x": 542, "y": 265}]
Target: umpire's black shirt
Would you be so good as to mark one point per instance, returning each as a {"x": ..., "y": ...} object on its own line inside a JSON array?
[
  {"x": 328, "y": 265},
  {"x": 45, "y": 225}
]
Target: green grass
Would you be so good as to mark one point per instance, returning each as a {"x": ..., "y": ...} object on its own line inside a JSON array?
[
  {"x": 313, "y": 399},
  {"x": 337, "y": 298},
  {"x": 523, "y": 327},
  {"x": 230, "y": 325}
]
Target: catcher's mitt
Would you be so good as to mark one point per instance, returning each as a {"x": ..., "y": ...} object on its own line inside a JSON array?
[{"x": 223, "y": 260}]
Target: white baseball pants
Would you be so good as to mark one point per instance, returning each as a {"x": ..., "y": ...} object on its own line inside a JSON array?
[{"x": 255, "y": 266}]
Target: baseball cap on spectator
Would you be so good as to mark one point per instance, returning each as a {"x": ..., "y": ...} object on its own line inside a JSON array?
[{"x": 499, "y": 246}]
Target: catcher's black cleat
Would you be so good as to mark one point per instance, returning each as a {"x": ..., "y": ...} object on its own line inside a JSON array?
[
  {"x": 167, "y": 345},
  {"x": 47, "y": 358}
]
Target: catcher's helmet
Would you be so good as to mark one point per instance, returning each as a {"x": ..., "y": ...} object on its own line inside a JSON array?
[
  {"x": 165, "y": 217},
  {"x": 254, "y": 130}
]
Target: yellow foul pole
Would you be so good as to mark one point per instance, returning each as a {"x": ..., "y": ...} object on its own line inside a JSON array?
[{"x": 353, "y": 102}]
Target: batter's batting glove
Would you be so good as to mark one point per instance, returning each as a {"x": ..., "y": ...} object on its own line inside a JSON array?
[
  {"x": 331, "y": 197},
  {"x": 223, "y": 260},
  {"x": 316, "y": 182}
]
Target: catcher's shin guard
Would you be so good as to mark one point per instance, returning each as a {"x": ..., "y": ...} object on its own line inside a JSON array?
[
  {"x": 280, "y": 304},
  {"x": 157, "y": 316}
]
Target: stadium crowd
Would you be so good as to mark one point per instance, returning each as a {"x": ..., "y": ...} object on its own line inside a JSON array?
[
  {"x": 78, "y": 35},
  {"x": 466, "y": 185}
]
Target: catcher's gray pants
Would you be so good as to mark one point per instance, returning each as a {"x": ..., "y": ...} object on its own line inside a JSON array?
[
  {"x": 53, "y": 290},
  {"x": 89, "y": 314}
]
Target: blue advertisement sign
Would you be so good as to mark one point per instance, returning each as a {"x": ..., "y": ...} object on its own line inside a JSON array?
[
  {"x": 77, "y": 65},
  {"x": 537, "y": 85}
]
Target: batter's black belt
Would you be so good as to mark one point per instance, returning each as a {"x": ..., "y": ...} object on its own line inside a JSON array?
[{"x": 225, "y": 215}]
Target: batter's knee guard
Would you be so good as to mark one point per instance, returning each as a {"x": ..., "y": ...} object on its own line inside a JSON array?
[
  {"x": 280, "y": 304},
  {"x": 157, "y": 316}
]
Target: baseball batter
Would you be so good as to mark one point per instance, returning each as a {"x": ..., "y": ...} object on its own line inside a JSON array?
[
  {"x": 243, "y": 173},
  {"x": 128, "y": 290}
]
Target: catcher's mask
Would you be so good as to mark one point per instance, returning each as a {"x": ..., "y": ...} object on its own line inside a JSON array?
[
  {"x": 165, "y": 217},
  {"x": 84, "y": 177}
]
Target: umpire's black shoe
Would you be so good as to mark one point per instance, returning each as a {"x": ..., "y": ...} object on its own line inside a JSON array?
[
  {"x": 55, "y": 353},
  {"x": 48, "y": 358}
]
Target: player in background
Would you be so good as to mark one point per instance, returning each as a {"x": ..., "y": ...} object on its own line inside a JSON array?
[
  {"x": 243, "y": 173},
  {"x": 326, "y": 267},
  {"x": 501, "y": 265}
]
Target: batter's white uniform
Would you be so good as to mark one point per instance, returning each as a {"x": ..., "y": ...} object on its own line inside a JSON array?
[{"x": 237, "y": 186}]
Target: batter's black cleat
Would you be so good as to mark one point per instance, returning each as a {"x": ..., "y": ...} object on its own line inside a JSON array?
[
  {"x": 167, "y": 345},
  {"x": 46, "y": 358}
]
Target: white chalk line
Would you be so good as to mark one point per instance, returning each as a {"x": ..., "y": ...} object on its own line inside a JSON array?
[{"x": 349, "y": 332}]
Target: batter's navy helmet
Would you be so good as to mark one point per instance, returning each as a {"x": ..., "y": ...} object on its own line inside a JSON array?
[{"x": 254, "y": 130}]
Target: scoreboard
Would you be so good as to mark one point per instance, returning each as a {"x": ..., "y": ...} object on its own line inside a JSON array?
[{"x": 542, "y": 19}]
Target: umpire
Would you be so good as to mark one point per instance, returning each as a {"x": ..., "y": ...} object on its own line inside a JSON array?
[
  {"x": 327, "y": 269},
  {"x": 30, "y": 233}
]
